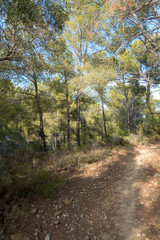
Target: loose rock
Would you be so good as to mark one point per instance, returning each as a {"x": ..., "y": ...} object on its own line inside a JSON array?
[
  {"x": 57, "y": 213},
  {"x": 36, "y": 231},
  {"x": 47, "y": 237},
  {"x": 33, "y": 211},
  {"x": 56, "y": 208},
  {"x": 57, "y": 222},
  {"x": 67, "y": 201}
]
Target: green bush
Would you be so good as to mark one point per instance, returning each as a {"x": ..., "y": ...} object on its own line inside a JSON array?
[
  {"x": 44, "y": 182},
  {"x": 23, "y": 179},
  {"x": 35, "y": 146}
]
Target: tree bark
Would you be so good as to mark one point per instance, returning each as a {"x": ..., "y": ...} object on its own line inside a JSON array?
[
  {"x": 104, "y": 121},
  {"x": 132, "y": 110},
  {"x": 78, "y": 134},
  {"x": 67, "y": 113},
  {"x": 148, "y": 94},
  {"x": 128, "y": 109},
  {"x": 78, "y": 118},
  {"x": 42, "y": 135}
]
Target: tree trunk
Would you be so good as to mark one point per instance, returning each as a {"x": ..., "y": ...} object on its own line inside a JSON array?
[
  {"x": 148, "y": 94},
  {"x": 128, "y": 110},
  {"x": 42, "y": 135},
  {"x": 55, "y": 145},
  {"x": 104, "y": 121},
  {"x": 128, "y": 120},
  {"x": 78, "y": 103},
  {"x": 68, "y": 114},
  {"x": 132, "y": 110},
  {"x": 78, "y": 119}
]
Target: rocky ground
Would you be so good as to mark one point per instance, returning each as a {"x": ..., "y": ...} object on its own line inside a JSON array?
[{"x": 117, "y": 199}]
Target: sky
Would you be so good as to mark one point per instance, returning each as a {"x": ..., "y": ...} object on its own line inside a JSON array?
[{"x": 156, "y": 93}]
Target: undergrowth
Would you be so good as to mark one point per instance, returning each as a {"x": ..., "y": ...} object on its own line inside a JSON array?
[{"x": 42, "y": 174}]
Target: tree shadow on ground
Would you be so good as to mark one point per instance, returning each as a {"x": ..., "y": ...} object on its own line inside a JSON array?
[
  {"x": 105, "y": 202},
  {"x": 112, "y": 203}
]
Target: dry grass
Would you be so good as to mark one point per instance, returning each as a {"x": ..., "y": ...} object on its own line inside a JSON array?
[
  {"x": 76, "y": 160},
  {"x": 43, "y": 174}
]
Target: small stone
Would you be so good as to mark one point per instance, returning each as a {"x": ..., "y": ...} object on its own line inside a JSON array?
[
  {"x": 57, "y": 222},
  {"x": 67, "y": 201},
  {"x": 47, "y": 237},
  {"x": 57, "y": 213},
  {"x": 61, "y": 206},
  {"x": 37, "y": 215},
  {"x": 81, "y": 215},
  {"x": 33, "y": 211},
  {"x": 56, "y": 208},
  {"x": 36, "y": 231},
  {"x": 146, "y": 238},
  {"x": 138, "y": 235}
]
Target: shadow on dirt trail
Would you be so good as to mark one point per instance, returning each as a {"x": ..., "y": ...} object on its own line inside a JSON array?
[
  {"x": 112, "y": 202},
  {"x": 105, "y": 202}
]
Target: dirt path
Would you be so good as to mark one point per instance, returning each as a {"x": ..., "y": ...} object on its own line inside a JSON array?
[
  {"x": 115, "y": 199},
  {"x": 125, "y": 217}
]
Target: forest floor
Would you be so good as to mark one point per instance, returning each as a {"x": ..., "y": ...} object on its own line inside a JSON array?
[{"x": 114, "y": 199}]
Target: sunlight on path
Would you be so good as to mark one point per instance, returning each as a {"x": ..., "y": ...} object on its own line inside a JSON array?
[{"x": 125, "y": 215}]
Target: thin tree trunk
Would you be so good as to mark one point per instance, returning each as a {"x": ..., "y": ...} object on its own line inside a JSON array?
[
  {"x": 64, "y": 138},
  {"x": 78, "y": 136},
  {"x": 128, "y": 110},
  {"x": 42, "y": 135},
  {"x": 133, "y": 122},
  {"x": 104, "y": 121},
  {"x": 148, "y": 94},
  {"x": 79, "y": 104},
  {"x": 56, "y": 140},
  {"x": 78, "y": 119},
  {"x": 68, "y": 113},
  {"x": 128, "y": 121}
]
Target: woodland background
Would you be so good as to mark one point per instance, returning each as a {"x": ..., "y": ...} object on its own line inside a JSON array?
[{"x": 74, "y": 76}]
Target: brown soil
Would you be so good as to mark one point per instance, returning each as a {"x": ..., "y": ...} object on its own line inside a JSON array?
[{"x": 118, "y": 198}]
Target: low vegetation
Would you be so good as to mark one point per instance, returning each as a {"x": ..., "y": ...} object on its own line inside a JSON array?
[{"x": 76, "y": 84}]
